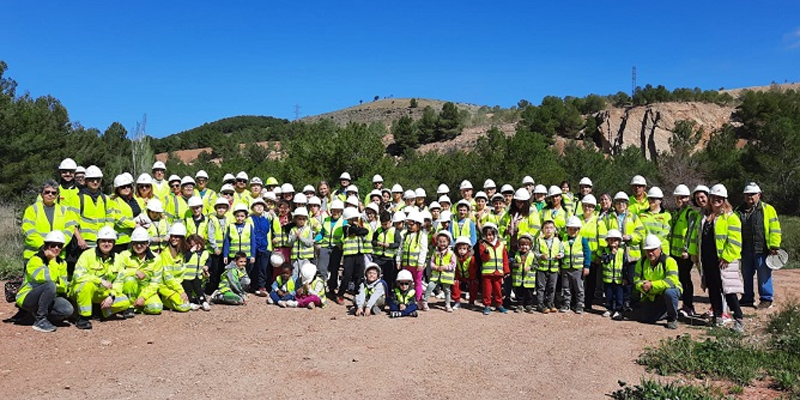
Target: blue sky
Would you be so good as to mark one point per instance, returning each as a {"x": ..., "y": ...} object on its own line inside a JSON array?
[{"x": 184, "y": 63}]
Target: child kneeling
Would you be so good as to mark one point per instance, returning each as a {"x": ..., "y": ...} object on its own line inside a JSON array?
[
  {"x": 371, "y": 295},
  {"x": 234, "y": 283},
  {"x": 403, "y": 304}
]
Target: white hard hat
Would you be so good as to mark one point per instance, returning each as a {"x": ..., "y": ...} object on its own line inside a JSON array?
[
  {"x": 140, "y": 234},
  {"x": 351, "y": 189},
  {"x": 398, "y": 217},
  {"x": 528, "y": 180},
  {"x": 498, "y": 197},
  {"x": 522, "y": 194},
  {"x": 93, "y": 172},
  {"x": 201, "y": 174},
  {"x": 463, "y": 202},
  {"x": 55, "y": 237},
  {"x": 445, "y": 199},
  {"x": 372, "y": 265},
  {"x": 256, "y": 181},
  {"x": 159, "y": 165},
  {"x": 177, "y": 229},
  {"x": 409, "y": 195},
  {"x": 307, "y": 272},
  {"x": 463, "y": 240},
  {"x": 404, "y": 276},
  {"x": 300, "y": 212},
  {"x": 228, "y": 178},
  {"x": 589, "y": 199},
  {"x": 276, "y": 259},
  {"x": 506, "y": 189},
  {"x": 350, "y": 213},
  {"x": 277, "y": 190},
  {"x": 622, "y": 196},
  {"x": 309, "y": 188},
  {"x": 539, "y": 189},
  {"x": 345, "y": 176},
  {"x": 426, "y": 215},
  {"x": 377, "y": 179},
  {"x": 80, "y": 170},
  {"x": 258, "y": 200},
  {"x": 375, "y": 192},
  {"x": 373, "y": 207},
  {"x": 526, "y": 235},
  {"x": 655, "y": 193},
  {"x": 268, "y": 195},
  {"x": 681, "y": 190},
  {"x": 442, "y": 189},
  {"x": 188, "y": 180},
  {"x": 397, "y": 188},
  {"x": 144, "y": 179},
  {"x": 300, "y": 199},
  {"x": 195, "y": 201},
  {"x": 122, "y": 180},
  {"x": 574, "y": 222},
  {"x": 465, "y": 185},
  {"x": 240, "y": 207},
  {"x": 419, "y": 192},
  {"x": 227, "y": 188},
  {"x": 554, "y": 191},
  {"x": 638, "y": 180},
  {"x": 489, "y": 225},
  {"x": 752, "y": 188},
  {"x": 415, "y": 216},
  {"x": 651, "y": 242},
  {"x": 614, "y": 233},
  {"x": 585, "y": 181},
  {"x": 700, "y": 188},
  {"x": 489, "y": 184},
  {"x": 314, "y": 201},
  {"x": 68, "y": 164},
  {"x": 352, "y": 200},
  {"x": 445, "y": 234},
  {"x": 719, "y": 190},
  {"x": 107, "y": 233},
  {"x": 481, "y": 195},
  {"x": 155, "y": 205},
  {"x": 445, "y": 216},
  {"x": 174, "y": 178},
  {"x": 242, "y": 175},
  {"x": 336, "y": 204},
  {"x": 221, "y": 201},
  {"x": 287, "y": 188}
]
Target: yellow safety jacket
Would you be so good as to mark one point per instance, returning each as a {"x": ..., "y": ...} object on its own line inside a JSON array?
[
  {"x": 93, "y": 216},
  {"x": 613, "y": 269},
  {"x": 559, "y": 218},
  {"x": 161, "y": 189},
  {"x": 443, "y": 277},
  {"x": 39, "y": 271},
  {"x": 663, "y": 276},
  {"x": 385, "y": 236},
  {"x": 299, "y": 250},
  {"x": 91, "y": 269},
  {"x": 632, "y": 225},
  {"x": 551, "y": 251},
  {"x": 772, "y": 227},
  {"x": 158, "y": 229},
  {"x": 35, "y": 226},
  {"x": 194, "y": 227},
  {"x": 123, "y": 219},
  {"x": 193, "y": 263},
  {"x": 176, "y": 208},
  {"x": 173, "y": 270},
  {"x": 240, "y": 238},
  {"x": 519, "y": 277},
  {"x": 636, "y": 206},
  {"x": 209, "y": 198},
  {"x": 405, "y": 298},
  {"x": 412, "y": 249},
  {"x": 727, "y": 236},
  {"x": 595, "y": 232},
  {"x": 127, "y": 264},
  {"x": 495, "y": 262},
  {"x": 220, "y": 227},
  {"x": 332, "y": 236},
  {"x": 658, "y": 224},
  {"x": 680, "y": 233},
  {"x": 573, "y": 253}
]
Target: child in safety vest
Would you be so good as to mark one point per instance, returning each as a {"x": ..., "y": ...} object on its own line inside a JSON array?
[
  {"x": 612, "y": 261},
  {"x": 549, "y": 251},
  {"x": 196, "y": 263},
  {"x": 443, "y": 270},
  {"x": 574, "y": 267},
  {"x": 239, "y": 237},
  {"x": 234, "y": 284},
  {"x": 523, "y": 273},
  {"x": 466, "y": 272},
  {"x": 371, "y": 295},
  {"x": 283, "y": 288},
  {"x": 301, "y": 239},
  {"x": 403, "y": 303},
  {"x": 261, "y": 220},
  {"x": 217, "y": 226},
  {"x": 311, "y": 291},
  {"x": 414, "y": 250},
  {"x": 493, "y": 263},
  {"x": 464, "y": 225},
  {"x": 353, "y": 250}
]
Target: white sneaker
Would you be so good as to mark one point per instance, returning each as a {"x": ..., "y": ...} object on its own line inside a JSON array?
[
  {"x": 466, "y": 296},
  {"x": 448, "y": 308},
  {"x": 282, "y": 303},
  {"x": 291, "y": 303},
  {"x": 194, "y": 306},
  {"x": 270, "y": 301},
  {"x": 311, "y": 306},
  {"x": 206, "y": 306},
  {"x": 440, "y": 295},
  {"x": 607, "y": 313}
]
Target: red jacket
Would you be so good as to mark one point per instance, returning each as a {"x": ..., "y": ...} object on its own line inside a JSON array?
[
  {"x": 485, "y": 255},
  {"x": 472, "y": 269}
]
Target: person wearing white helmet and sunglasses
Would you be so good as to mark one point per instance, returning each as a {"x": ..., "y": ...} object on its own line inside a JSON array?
[
  {"x": 171, "y": 287},
  {"x": 556, "y": 211},
  {"x": 489, "y": 188},
  {"x": 177, "y": 206},
  {"x": 656, "y": 219},
  {"x": 761, "y": 236},
  {"x": 46, "y": 215},
  {"x": 241, "y": 193},
  {"x": 403, "y": 301},
  {"x": 140, "y": 273},
  {"x": 45, "y": 284},
  {"x": 125, "y": 209},
  {"x": 208, "y": 195},
  {"x": 717, "y": 247},
  {"x": 683, "y": 222},
  {"x": 344, "y": 182},
  {"x": 80, "y": 176},
  {"x": 160, "y": 184},
  {"x": 656, "y": 278},
  {"x": 638, "y": 200},
  {"x": 67, "y": 187},
  {"x": 94, "y": 209}
]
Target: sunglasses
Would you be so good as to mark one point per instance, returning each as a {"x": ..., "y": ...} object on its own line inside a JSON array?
[
  {"x": 202, "y": 180},
  {"x": 144, "y": 187},
  {"x": 92, "y": 180},
  {"x": 241, "y": 180},
  {"x": 139, "y": 243},
  {"x": 64, "y": 172},
  {"x": 54, "y": 245},
  {"x": 126, "y": 187},
  {"x": 174, "y": 186},
  {"x": 52, "y": 192},
  {"x": 403, "y": 283}
]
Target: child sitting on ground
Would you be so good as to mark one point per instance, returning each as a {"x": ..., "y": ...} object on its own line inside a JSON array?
[
  {"x": 312, "y": 291},
  {"x": 371, "y": 295},
  {"x": 403, "y": 304},
  {"x": 443, "y": 270},
  {"x": 283, "y": 288},
  {"x": 234, "y": 284}
]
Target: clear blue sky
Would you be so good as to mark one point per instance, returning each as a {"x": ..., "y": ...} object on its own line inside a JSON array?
[{"x": 184, "y": 63}]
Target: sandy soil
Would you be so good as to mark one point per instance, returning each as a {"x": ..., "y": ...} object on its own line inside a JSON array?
[{"x": 268, "y": 352}]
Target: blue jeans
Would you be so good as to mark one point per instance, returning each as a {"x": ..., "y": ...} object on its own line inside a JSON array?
[
  {"x": 262, "y": 270},
  {"x": 411, "y": 307},
  {"x": 753, "y": 264},
  {"x": 614, "y": 295},
  {"x": 664, "y": 305},
  {"x": 274, "y": 296}
]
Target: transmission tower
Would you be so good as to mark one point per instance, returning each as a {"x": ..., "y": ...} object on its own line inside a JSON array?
[
  {"x": 633, "y": 81},
  {"x": 296, "y": 112}
]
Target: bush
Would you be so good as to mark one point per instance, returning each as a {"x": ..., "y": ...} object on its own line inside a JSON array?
[
  {"x": 790, "y": 228},
  {"x": 10, "y": 240},
  {"x": 652, "y": 389}
]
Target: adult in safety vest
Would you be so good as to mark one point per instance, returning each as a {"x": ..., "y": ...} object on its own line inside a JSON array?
[
  {"x": 125, "y": 209},
  {"x": 656, "y": 219},
  {"x": 171, "y": 287},
  {"x": 45, "y": 216},
  {"x": 156, "y": 225},
  {"x": 139, "y": 274},
  {"x": 761, "y": 236},
  {"x": 208, "y": 195},
  {"x": 94, "y": 208},
  {"x": 160, "y": 185},
  {"x": 144, "y": 190},
  {"x": 683, "y": 221},
  {"x": 656, "y": 278},
  {"x": 67, "y": 187},
  {"x": 177, "y": 206},
  {"x": 638, "y": 200},
  {"x": 44, "y": 284},
  {"x": 594, "y": 231},
  {"x": 93, "y": 281}
]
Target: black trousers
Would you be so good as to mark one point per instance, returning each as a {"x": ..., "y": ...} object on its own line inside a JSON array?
[
  {"x": 389, "y": 270},
  {"x": 590, "y": 285},
  {"x": 685, "y": 276},
  {"x": 333, "y": 268},
  {"x": 353, "y": 266},
  {"x": 215, "y": 271},
  {"x": 194, "y": 290},
  {"x": 714, "y": 285}
]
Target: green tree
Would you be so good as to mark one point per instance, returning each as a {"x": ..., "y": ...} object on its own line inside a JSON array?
[
  {"x": 449, "y": 123},
  {"x": 413, "y": 103},
  {"x": 428, "y": 125},
  {"x": 406, "y": 135}
]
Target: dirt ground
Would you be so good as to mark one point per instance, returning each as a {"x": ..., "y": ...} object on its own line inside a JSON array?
[{"x": 272, "y": 353}]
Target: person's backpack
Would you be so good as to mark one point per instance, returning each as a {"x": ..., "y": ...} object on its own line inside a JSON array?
[{"x": 12, "y": 287}]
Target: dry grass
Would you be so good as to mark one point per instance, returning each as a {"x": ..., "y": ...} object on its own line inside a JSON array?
[{"x": 10, "y": 240}]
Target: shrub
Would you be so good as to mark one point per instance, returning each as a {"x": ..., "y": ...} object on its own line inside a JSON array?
[
  {"x": 652, "y": 389},
  {"x": 790, "y": 228}
]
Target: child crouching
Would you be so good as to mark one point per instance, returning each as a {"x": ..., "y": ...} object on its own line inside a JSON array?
[
  {"x": 312, "y": 291},
  {"x": 371, "y": 295},
  {"x": 234, "y": 284},
  {"x": 403, "y": 304}
]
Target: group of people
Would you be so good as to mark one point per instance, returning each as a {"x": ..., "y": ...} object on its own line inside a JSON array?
[{"x": 173, "y": 242}]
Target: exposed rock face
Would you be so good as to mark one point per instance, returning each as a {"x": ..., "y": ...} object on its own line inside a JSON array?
[{"x": 650, "y": 127}]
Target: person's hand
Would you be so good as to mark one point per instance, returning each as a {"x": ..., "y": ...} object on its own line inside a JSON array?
[
  {"x": 225, "y": 260},
  {"x": 139, "y": 302},
  {"x": 624, "y": 282},
  {"x": 359, "y": 311},
  {"x": 627, "y": 238},
  {"x": 82, "y": 243},
  {"x": 281, "y": 293},
  {"x": 773, "y": 252},
  {"x": 205, "y": 272},
  {"x": 420, "y": 268},
  {"x": 107, "y": 302},
  {"x": 402, "y": 307},
  {"x": 543, "y": 257},
  {"x": 684, "y": 255},
  {"x": 723, "y": 264},
  {"x": 184, "y": 297},
  {"x": 586, "y": 272},
  {"x": 217, "y": 252},
  {"x": 106, "y": 284},
  {"x": 196, "y": 247},
  {"x": 140, "y": 275},
  {"x": 252, "y": 260},
  {"x": 527, "y": 269},
  {"x": 275, "y": 240},
  {"x": 647, "y": 285}
]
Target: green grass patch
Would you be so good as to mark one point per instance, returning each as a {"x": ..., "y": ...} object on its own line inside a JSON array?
[
  {"x": 653, "y": 389},
  {"x": 11, "y": 240},
  {"x": 790, "y": 239}
]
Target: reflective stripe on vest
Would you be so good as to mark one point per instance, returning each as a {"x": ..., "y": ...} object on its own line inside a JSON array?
[
  {"x": 551, "y": 251},
  {"x": 519, "y": 277},
  {"x": 407, "y": 298},
  {"x": 239, "y": 237},
  {"x": 411, "y": 250},
  {"x": 573, "y": 253},
  {"x": 495, "y": 262},
  {"x": 443, "y": 277},
  {"x": 300, "y": 251},
  {"x": 385, "y": 236}
]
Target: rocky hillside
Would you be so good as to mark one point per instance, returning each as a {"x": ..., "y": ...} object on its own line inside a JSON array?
[{"x": 385, "y": 111}]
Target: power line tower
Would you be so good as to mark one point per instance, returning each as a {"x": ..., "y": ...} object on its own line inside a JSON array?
[
  {"x": 296, "y": 112},
  {"x": 633, "y": 81}
]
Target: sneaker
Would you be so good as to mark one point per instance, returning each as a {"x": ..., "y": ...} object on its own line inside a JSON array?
[
  {"x": 529, "y": 309},
  {"x": 393, "y": 314},
  {"x": 564, "y": 310},
  {"x": 83, "y": 323},
  {"x": 413, "y": 314},
  {"x": 487, "y": 310},
  {"x": 262, "y": 292},
  {"x": 43, "y": 325},
  {"x": 340, "y": 300},
  {"x": 738, "y": 326},
  {"x": 194, "y": 306},
  {"x": 270, "y": 301},
  {"x": 553, "y": 309},
  {"x": 457, "y": 306},
  {"x": 517, "y": 310},
  {"x": 617, "y": 316},
  {"x": 205, "y": 306},
  {"x": 672, "y": 324},
  {"x": 502, "y": 310},
  {"x": 718, "y": 322},
  {"x": 448, "y": 308},
  {"x": 545, "y": 310},
  {"x": 764, "y": 304},
  {"x": 607, "y": 313},
  {"x": 128, "y": 314},
  {"x": 291, "y": 303},
  {"x": 440, "y": 295},
  {"x": 311, "y": 305},
  {"x": 687, "y": 312},
  {"x": 726, "y": 318},
  {"x": 579, "y": 310},
  {"x": 282, "y": 303},
  {"x": 425, "y": 306}
]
